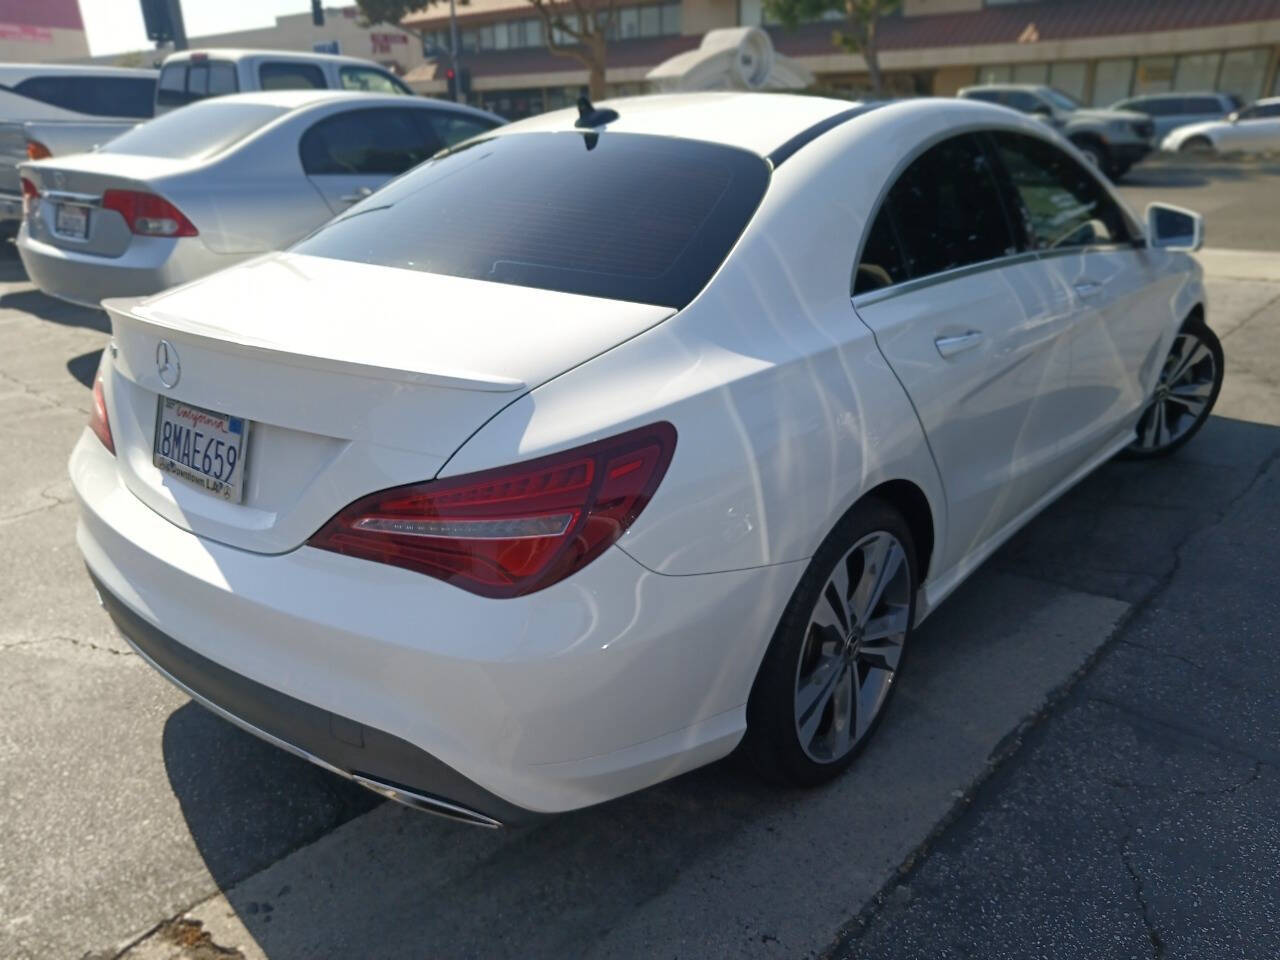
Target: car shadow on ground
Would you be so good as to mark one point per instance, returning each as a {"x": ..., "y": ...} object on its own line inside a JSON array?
[
  {"x": 55, "y": 311},
  {"x": 84, "y": 367},
  {"x": 548, "y": 890}
]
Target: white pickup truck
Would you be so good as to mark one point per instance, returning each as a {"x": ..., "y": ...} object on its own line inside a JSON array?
[{"x": 50, "y": 110}]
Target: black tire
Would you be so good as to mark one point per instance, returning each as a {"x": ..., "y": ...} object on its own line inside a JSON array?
[
  {"x": 1196, "y": 146},
  {"x": 1096, "y": 153},
  {"x": 772, "y": 744},
  {"x": 1142, "y": 448}
]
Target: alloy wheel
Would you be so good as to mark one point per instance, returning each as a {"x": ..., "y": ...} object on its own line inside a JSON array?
[
  {"x": 852, "y": 647},
  {"x": 1183, "y": 396}
]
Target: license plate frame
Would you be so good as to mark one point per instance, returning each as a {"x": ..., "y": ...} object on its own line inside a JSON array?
[
  {"x": 194, "y": 435},
  {"x": 71, "y": 220}
]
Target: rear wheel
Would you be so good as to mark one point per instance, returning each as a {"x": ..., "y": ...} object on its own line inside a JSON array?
[
  {"x": 1095, "y": 153},
  {"x": 1185, "y": 392},
  {"x": 833, "y": 663}
]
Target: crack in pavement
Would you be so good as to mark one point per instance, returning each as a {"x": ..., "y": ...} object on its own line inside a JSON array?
[
  {"x": 74, "y": 641},
  {"x": 1139, "y": 887},
  {"x": 54, "y": 502},
  {"x": 38, "y": 394}
]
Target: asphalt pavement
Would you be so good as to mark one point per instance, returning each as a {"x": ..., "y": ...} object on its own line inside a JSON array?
[{"x": 1081, "y": 762}]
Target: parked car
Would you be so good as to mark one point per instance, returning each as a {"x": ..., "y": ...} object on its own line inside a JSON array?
[
  {"x": 1254, "y": 129},
  {"x": 209, "y": 185},
  {"x": 1113, "y": 139},
  {"x": 1171, "y": 110},
  {"x": 566, "y": 462},
  {"x": 192, "y": 75},
  {"x": 52, "y": 110}
]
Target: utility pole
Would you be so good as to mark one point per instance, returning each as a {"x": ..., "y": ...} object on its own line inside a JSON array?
[
  {"x": 458, "y": 95},
  {"x": 179, "y": 28}
]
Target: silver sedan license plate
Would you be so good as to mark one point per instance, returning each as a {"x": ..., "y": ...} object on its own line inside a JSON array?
[
  {"x": 201, "y": 446},
  {"x": 70, "y": 220}
]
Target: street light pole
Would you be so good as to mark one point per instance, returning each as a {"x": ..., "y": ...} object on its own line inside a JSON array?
[
  {"x": 458, "y": 95},
  {"x": 179, "y": 28}
]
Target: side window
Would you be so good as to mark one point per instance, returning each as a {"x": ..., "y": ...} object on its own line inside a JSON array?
[
  {"x": 1205, "y": 105},
  {"x": 1268, "y": 110},
  {"x": 384, "y": 140},
  {"x": 948, "y": 209},
  {"x": 290, "y": 76},
  {"x": 96, "y": 96},
  {"x": 222, "y": 78},
  {"x": 987, "y": 96},
  {"x": 1164, "y": 107},
  {"x": 373, "y": 81},
  {"x": 1062, "y": 203},
  {"x": 451, "y": 129},
  {"x": 172, "y": 91},
  {"x": 1021, "y": 100},
  {"x": 881, "y": 264}
]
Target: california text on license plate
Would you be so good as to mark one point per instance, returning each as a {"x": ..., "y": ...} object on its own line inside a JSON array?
[
  {"x": 201, "y": 446},
  {"x": 70, "y": 220}
]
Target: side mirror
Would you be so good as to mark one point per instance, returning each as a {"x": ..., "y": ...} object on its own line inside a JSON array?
[
  {"x": 1233, "y": 116},
  {"x": 1173, "y": 228}
]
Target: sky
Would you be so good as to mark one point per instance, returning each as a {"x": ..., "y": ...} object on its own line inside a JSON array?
[{"x": 115, "y": 26}]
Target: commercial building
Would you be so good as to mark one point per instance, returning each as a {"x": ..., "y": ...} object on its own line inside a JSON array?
[
  {"x": 342, "y": 32},
  {"x": 1097, "y": 50},
  {"x": 35, "y": 31}
]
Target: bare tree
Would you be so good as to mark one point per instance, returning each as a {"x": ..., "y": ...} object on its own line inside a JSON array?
[
  {"x": 861, "y": 19},
  {"x": 587, "y": 24}
]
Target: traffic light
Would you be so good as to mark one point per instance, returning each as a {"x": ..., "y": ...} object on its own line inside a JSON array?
[
  {"x": 155, "y": 16},
  {"x": 317, "y": 13},
  {"x": 452, "y": 79}
]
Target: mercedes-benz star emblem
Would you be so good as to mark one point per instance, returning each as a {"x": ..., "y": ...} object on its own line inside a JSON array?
[{"x": 167, "y": 364}]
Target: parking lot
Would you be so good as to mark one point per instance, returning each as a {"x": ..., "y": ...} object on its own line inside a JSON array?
[{"x": 1082, "y": 761}]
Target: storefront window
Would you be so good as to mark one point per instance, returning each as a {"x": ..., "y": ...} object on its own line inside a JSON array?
[
  {"x": 1197, "y": 71},
  {"x": 995, "y": 74},
  {"x": 650, "y": 21},
  {"x": 1031, "y": 73},
  {"x": 533, "y": 33},
  {"x": 671, "y": 18},
  {"x": 1155, "y": 75},
  {"x": 500, "y": 36},
  {"x": 629, "y": 20},
  {"x": 1112, "y": 80},
  {"x": 1243, "y": 73},
  {"x": 1069, "y": 78}
]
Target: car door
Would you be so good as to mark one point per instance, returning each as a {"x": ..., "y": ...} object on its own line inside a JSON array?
[
  {"x": 350, "y": 154},
  {"x": 963, "y": 317},
  {"x": 1086, "y": 246},
  {"x": 1257, "y": 130}
]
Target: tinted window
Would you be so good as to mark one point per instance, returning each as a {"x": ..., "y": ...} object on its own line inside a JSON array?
[
  {"x": 1021, "y": 100},
  {"x": 1205, "y": 105},
  {"x": 948, "y": 211},
  {"x": 187, "y": 82},
  {"x": 619, "y": 215},
  {"x": 1164, "y": 107},
  {"x": 173, "y": 86},
  {"x": 96, "y": 96},
  {"x": 382, "y": 140},
  {"x": 290, "y": 76},
  {"x": 988, "y": 96},
  {"x": 374, "y": 81},
  {"x": 201, "y": 130},
  {"x": 881, "y": 264},
  {"x": 222, "y": 78},
  {"x": 1261, "y": 111},
  {"x": 452, "y": 128},
  {"x": 1061, "y": 203}
]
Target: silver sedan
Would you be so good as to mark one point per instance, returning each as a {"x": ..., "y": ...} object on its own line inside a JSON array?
[{"x": 217, "y": 182}]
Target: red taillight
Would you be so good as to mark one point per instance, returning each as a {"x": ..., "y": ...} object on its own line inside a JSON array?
[
  {"x": 98, "y": 422},
  {"x": 147, "y": 214},
  {"x": 37, "y": 150},
  {"x": 514, "y": 530},
  {"x": 30, "y": 197}
]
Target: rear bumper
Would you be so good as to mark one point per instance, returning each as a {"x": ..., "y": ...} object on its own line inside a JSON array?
[
  {"x": 151, "y": 264},
  {"x": 610, "y": 681},
  {"x": 340, "y": 745}
]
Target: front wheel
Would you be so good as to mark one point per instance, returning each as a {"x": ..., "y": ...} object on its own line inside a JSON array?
[
  {"x": 834, "y": 659},
  {"x": 1185, "y": 393}
]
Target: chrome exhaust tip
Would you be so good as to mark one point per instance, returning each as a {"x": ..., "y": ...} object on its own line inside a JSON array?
[{"x": 427, "y": 804}]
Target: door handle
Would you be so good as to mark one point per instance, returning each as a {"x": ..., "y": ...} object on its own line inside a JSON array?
[
  {"x": 1087, "y": 288},
  {"x": 950, "y": 346},
  {"x": 356, "y": 197}
]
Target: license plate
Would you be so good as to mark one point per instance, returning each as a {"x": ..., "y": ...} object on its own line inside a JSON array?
[
  {"x": 201, "y": 446},
  {"x": 70, "y": 220}
]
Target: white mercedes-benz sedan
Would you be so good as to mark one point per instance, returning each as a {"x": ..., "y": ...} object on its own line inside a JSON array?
[{"x": 612, "y": 441}]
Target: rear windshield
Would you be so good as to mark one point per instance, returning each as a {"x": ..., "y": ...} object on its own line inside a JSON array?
[
  {"x": 96, "y": 96},
  {"x": 199, "y": 130},
  {"x": 625, "y": 216}
]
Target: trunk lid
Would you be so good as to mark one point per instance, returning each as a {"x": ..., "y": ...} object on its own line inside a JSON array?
[
  {"x": 79, "y": 182},
  {"x": 353, "y": 378}
]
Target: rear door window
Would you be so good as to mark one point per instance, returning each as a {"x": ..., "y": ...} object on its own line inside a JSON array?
[
  {"x": 619, "y": 215},
  {"x": 948, "y": 209},
  {"x": 881, "y": 264},
  {"x": 282, "y": 75},
  {"x": 97, "y": 96},
  {"x": 372, "y": 81},
  {"x": 381, "y": 140},
  {"x": 1061, "y": 203},
  {"x": 450, "y": 129}
]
